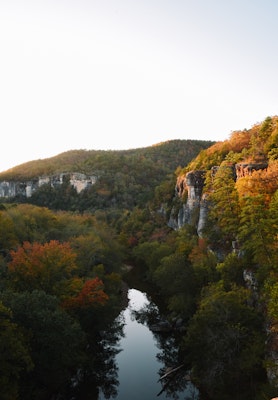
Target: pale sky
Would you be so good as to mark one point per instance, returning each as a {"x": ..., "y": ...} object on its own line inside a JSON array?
[{"x": 121, "y": 74}]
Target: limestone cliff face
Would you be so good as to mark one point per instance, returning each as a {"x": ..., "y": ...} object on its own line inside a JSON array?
[
  {"x": 245, "y": 169},
  {"x": 190, "y": 186},
  {"x": 26, "y": 188},
  {"x": 193, "y": 211}
]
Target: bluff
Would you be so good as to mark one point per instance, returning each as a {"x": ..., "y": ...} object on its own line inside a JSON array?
[
  {"x": 121, "y": 179},
  {"x": 25, "y": 188},
  {"x": 193, "y": 211},
  {"x": 189, "y": 190}
]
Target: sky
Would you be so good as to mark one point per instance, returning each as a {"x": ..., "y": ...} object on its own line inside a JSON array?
[{"x": 121, "y": 74}]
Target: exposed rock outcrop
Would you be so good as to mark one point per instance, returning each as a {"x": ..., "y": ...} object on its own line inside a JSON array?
[
  {"x": 26, "y": 188},
  {"x": 245, "y": 169},
  {"x": 189, "y": 187}
]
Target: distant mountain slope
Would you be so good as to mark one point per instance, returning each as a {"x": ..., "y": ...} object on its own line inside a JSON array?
[
  {"x": 125, "y": 179},
  {"x": 169, "y": 155}
]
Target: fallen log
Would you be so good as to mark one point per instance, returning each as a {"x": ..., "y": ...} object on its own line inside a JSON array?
[{"x": 171, "y": 372}]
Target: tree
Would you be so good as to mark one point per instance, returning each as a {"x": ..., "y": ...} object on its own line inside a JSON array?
[
  {"x": 231, "y": 271},
  {"x": 175, "y": 276},
  {"x": 8, "y": 237},
  {"x": 223, "y": 218},
  {"x": 91, "y": 294},
  {"x": 255, "y": 234},
  {"x": 270, "y": 290},
  {"x": 31, "y": 223},
  {"x": 225, "y": 343},
  {"x": 204, "y": 264},
  {"x": 98, "y": 246},
  {"x": 46, "y": 267},
  {"x": 15, "y": 357},
  {"x": 56, "y": 341},
  {"x": 261, "y": 182},
  {"x": 151, "y": 253}
]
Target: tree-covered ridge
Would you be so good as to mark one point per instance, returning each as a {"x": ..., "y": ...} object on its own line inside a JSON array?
[
  {"x": 224, "y": 283},
  {"x": 166, "y": 155},
  {"x": 125, "y": 179},
  {"x": 256, "y": 144},
  {"x": 220, "y": 290},
  {"x": 60, "y": 286}
]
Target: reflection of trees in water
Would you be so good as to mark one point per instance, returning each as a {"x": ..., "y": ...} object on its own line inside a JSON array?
[
  {"x": 147, "y": 315},
  {"x": 178, "y": 381},
  {"x": 108, "y": 379},
  {"x": 100, "y": 371},
  {"x": 167, "y": 343}
]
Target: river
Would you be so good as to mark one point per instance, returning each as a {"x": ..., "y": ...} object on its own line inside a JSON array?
[{"x": 141, "y": 359}]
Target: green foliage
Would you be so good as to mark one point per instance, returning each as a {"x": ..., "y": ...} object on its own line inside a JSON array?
[
  {"x": 98, "y": 247},
  {"x": 15, "y": 357},
  {"x": 231, "y": 271},
  {"x": 171, "y": 154},
  {"x": 40, "y": 332},
  {"x": 225, "y": 342},
  {"x": 125, "y": 179},
  {"x": 123, "y": 217},
  {"x": 8, "y": 237},
  {"x": 56, "y": 341},
  {"x": 63, "y": 197},
  {"x": 175, "y": 276},
  {"x": 255, "y": 234},
  {"x": 271, "y": 296},
  {"x": 31, "y": 223},
  {"x": 151, "y": 254},
  {"x": 204, "y": 264},
  {"x": 223, "y": 217}
]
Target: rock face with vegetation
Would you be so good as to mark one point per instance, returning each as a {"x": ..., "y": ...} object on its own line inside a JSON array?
[
  {"x": 104, "y": 179},
  {"x": 11, "y": 189},
  {"x": 189, "y": 188},
  {"x": 62, "y": 255},
  {"x": 226, "y": 232},
  {"x": 233, "y": 211}
]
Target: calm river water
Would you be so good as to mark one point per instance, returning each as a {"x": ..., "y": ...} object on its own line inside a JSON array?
[{"x": 139, "y": 361}]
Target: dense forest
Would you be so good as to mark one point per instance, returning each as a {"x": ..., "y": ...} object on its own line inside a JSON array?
[
  {"x": 125, "y": 179},
  {"x": 63, "y": 258}
]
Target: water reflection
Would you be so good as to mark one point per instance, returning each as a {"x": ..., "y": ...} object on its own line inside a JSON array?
[
  {"x": 101, "y": 369},
  {"x": 142, "y": 357}
]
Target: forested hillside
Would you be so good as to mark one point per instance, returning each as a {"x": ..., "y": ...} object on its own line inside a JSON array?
[
  {"x": 168, "y": 155},
  {"x": 224, "y": 284},
  {"x": 124, "y": 179},
  {"x": 61, "y": 271},
  {"x": 63, "y": 264}
]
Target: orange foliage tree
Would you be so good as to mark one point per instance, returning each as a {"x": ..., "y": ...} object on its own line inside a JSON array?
[
  {"x": 261, "y": 182},
  {"x": 91, "y": 293},
  {"x": 47, "y": 266}
]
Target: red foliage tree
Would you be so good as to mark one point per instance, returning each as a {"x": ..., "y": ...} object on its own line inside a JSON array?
[
  {"x": 91, "y": 294},
  {"x": 42, "y": 266}
]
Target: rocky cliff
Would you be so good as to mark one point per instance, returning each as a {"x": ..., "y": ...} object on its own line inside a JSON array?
[
  {"x": 195, "y": 202},
  {"x": 245, "y": 169},
  {"x": 194, "y": 209},
  {"x": 78, "y": 180}
]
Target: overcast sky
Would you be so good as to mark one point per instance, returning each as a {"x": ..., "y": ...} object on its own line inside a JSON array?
[{"x": 120, "y": 74}]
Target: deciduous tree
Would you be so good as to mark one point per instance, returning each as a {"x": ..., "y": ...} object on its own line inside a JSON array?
[
  {"x": 225, "y": 342},
  {"x": 39, "y": 266},
  {"x": 15, "y": 358},
  {"x": 56, "y": 341}
]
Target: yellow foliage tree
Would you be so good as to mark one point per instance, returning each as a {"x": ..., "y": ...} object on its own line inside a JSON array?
[{"x": 262, "y": 182}]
